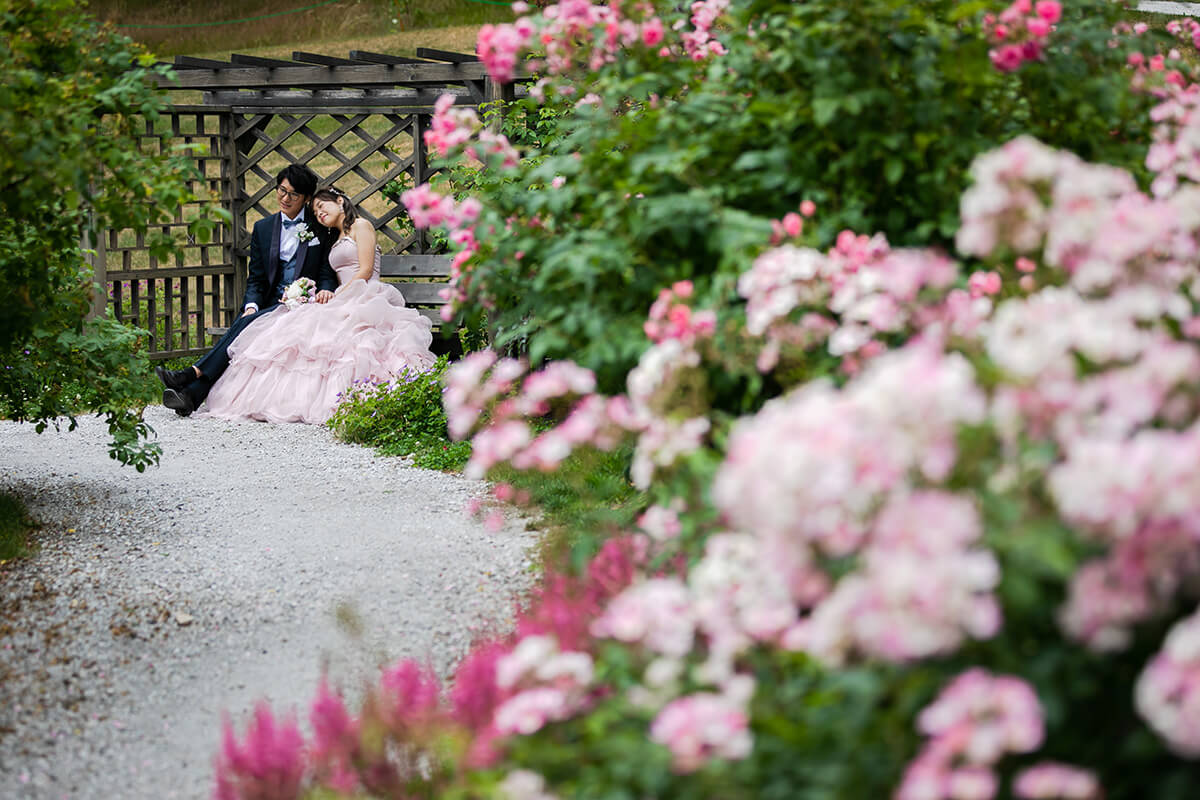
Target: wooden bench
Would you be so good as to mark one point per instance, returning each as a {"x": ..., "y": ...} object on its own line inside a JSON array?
[{"x": 418, "y": 277}]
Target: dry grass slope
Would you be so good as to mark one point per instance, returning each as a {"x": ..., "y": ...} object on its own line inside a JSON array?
[{"x": 338, "y": 26}]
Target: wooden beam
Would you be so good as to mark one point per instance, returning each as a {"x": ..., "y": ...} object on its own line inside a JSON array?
[
  {"x": 326, "y": 61},
  {"x": 257, "y": 61},
  {"x": 314, "y": 77},
  {"x": 421, "y": 294},
  {"x": 188, "y": 62},
  {"x": 173, "y": 65},
  {"x": 384, "y": 58},
  {"x": 425, "y": 265},
  {"x": 336, "y": 101},
  {"x": 446, "y": 55}
]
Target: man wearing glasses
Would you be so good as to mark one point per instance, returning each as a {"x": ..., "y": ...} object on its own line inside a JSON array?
[{"x": 283, "y": 248}]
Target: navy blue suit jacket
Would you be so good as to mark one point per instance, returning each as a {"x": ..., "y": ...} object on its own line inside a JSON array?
[{"x": 264, "y": 266}]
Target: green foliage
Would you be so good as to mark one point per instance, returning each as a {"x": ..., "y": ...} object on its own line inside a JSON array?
[
  {"x": 873, "y": 109},
  {"x": 71, "y": 106},
  {"x": 586, "y": 500},
  {"x": 15, "y": 526},
  {"x": 404, "y": 417}
]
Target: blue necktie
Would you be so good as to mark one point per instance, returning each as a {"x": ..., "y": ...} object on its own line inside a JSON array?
[{"x": 289, "y": 267}]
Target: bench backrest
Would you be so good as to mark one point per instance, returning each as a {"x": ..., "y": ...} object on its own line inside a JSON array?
[{"x": 419, "y": 278}]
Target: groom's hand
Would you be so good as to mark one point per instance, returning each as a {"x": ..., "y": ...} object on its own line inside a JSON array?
[{"x": 324, "y": 296}]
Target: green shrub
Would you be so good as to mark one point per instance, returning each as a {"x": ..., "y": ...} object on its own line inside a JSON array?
[
  {"x": 872, "y": 109},
  {"x": 15, "y": 526},
  {"x": 73, "y": 105},
  {"x": 402, "y": 418}
]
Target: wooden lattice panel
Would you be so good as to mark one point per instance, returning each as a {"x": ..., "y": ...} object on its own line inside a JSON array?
[
  {"x": 175, "y": 300},
  {"x": 360, "y": 153},
  {"x": 358, "y": 122}
]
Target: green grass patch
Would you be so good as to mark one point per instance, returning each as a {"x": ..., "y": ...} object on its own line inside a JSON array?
[
  {"x": 586, "y": 501},
  {"x": 173, "y": 27},
  {"x": 15, "y": 527},
  {"x": 402, "y": 418},
  {"x": 580, "y": 505}
]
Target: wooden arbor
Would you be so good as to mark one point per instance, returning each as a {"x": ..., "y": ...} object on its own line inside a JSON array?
[{"x": 357, "y": 121}]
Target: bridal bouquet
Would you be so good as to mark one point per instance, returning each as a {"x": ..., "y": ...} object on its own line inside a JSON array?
[{"x": 299, "y": 292}]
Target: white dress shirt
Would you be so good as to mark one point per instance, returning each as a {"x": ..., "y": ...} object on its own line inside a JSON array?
[
  {"x": 289, "y": 240},
  {"x": 289, "y": 243}
]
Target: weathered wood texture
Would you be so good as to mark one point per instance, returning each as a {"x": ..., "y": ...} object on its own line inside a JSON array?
[
  {"x": 420, "y": 278},
  {"x": 359, "y": 122}
]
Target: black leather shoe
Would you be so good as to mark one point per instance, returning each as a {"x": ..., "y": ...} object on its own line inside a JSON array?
[
  {"x": 175, "y": 378},
  {"x": 180, "y": 402}
]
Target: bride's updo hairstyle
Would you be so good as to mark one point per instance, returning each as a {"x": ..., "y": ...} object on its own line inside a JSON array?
[{"x": 335, "y": 195}]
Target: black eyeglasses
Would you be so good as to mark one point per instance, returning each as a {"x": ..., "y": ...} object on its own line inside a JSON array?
[{"x": 289, "y": 195}]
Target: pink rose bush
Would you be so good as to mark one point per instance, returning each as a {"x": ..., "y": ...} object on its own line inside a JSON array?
[
  {"x": 1020, "y": 32},
  {"x": 578, "y": 34},
  {"x": 946, "y": 548}
]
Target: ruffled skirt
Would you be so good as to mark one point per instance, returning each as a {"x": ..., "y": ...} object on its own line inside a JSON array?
[{"x": 292, "y": 365}]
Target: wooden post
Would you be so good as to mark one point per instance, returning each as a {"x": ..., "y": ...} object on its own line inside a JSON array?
[
  {"x": 420, "y": 169},
  {"x": 239, "y": 207},
  {"x": 498, "y": 92},
  {"x": 96, "y": 254}
]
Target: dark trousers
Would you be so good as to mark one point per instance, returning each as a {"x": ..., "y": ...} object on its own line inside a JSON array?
[{"x": 217, "y": 359}]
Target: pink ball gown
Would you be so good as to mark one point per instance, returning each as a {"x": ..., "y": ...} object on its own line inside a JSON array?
[{"x": 293, "y": 364}]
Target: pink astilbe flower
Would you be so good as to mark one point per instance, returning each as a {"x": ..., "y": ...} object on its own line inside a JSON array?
[
  {"x": 268, "y": 765},
  {"x": 616, "y": 566},
  {"x": 474, "y": 693},
  {"x": 1167, "y": 694},
  {"x": 410, "y": 693},
  {"x": 335, "y": 741},
  {"x": 1052, "y": 781}
]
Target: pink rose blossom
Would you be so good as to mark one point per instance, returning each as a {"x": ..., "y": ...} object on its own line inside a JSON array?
[
  {"x": 1052, "y": 781},
  {"x": 702, "y": 727},
  {"x": 1049, "y": 10}
]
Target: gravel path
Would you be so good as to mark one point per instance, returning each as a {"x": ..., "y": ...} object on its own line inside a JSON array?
[
  {"x": 252, "y": 559},
  {"x": 1177, "y": 9}
]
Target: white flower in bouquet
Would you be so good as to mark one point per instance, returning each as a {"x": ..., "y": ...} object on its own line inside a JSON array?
[{"x": 299, "y": 292}]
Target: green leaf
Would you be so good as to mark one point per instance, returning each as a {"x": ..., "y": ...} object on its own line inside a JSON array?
[
  {"x": 893, "y": 170},
  {"x": 824, "y": 109}
]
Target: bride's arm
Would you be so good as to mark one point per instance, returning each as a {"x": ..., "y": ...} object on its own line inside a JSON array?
[{"x": 364, "y": 237}]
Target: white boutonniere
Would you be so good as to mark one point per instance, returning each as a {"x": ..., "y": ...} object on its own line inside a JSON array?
[{"x": 303, "y": 233}]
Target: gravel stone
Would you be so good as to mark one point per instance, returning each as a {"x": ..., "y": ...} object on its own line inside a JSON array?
[
  {"x": 1175, "y": 9},
  {"x": 252, "y": 560}
]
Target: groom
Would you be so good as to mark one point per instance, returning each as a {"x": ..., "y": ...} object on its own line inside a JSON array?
[{"x": 283, "y": 248}]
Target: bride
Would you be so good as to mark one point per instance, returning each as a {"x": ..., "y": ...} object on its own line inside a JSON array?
[{"x": 293, "y": 364}]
